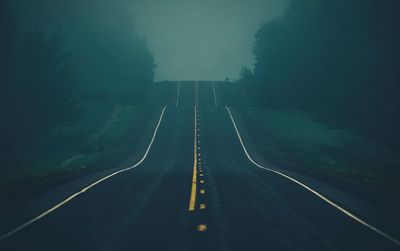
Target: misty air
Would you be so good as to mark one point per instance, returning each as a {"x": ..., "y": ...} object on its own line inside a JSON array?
[{"x": 199, "y": 125}]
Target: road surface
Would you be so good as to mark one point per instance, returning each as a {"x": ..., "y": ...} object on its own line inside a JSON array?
[{"x": 192, "y": 187}]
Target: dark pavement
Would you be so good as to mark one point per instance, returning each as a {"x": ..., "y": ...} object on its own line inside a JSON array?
[{"x": 238, "y": 205}]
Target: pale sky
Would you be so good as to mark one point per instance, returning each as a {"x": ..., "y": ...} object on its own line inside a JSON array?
[
  {"x": 190, "y": 39},
  {"x": 202, "y": 39}
]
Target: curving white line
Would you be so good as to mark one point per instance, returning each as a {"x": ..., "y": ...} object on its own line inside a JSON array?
[
  {"x": 19, "y": 228},
  {"x": 178, "y": 94},
  {"x": 341, "y": 209}
]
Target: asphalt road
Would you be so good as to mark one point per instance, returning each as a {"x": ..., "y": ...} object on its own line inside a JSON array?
[{"x": 197, "y": 190}]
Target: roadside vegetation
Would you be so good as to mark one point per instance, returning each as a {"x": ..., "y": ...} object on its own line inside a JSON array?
[
  {"x": 325, "y": 86},
  {"x": 71, "y": 98}
]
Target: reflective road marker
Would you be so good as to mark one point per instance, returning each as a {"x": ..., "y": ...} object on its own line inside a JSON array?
[{"x": 202, "y": 227}]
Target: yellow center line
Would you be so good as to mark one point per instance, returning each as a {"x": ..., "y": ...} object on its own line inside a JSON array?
[{"x": 192, "y": 202}]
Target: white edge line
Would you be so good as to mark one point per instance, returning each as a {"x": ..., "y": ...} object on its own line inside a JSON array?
[
  {"x": 178, "y": 93},
  {"x": 215, "y": 96},
  {"x": 349, "y": 214},
  {"x": 26, "y": 224}
]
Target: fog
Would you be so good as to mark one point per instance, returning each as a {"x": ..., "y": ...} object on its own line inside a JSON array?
[
  {"x": 202, "y": 39},
  {"x": 191, "y": 39},
  {"x": 313, "y": 88}
]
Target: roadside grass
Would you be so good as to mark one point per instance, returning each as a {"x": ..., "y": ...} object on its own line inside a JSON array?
[
  {"x": 336, "y": 155},
  {"x": 71, "y": 152}
]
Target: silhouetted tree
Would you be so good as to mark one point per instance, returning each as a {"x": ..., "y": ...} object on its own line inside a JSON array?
[
  {"x": 8, "y": 35},
  {"x": 43, "y": 93},
  {"x": 336, "y": 58},
  {"x": 113, "y": 59},
  {"x": 36, "y": 86}
]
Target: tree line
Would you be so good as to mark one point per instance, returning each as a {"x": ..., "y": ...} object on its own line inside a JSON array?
[
  {"x": 338, "y": 59},
  {"x": 45, "y": 85}
]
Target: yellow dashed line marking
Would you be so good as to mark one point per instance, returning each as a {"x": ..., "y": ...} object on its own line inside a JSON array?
[
  {"x": 192, "y": 202},
  {"x": 197, "y": 167}
]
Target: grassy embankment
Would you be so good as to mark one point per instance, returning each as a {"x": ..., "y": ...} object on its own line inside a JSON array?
[
  {"x": 101, "y": 141},
  {"x": 338, "y": 156}
]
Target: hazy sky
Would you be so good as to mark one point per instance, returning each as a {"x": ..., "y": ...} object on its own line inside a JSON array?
[
  {"x": 202, "y": 39},
  {"x": 190, "y": 39}
]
